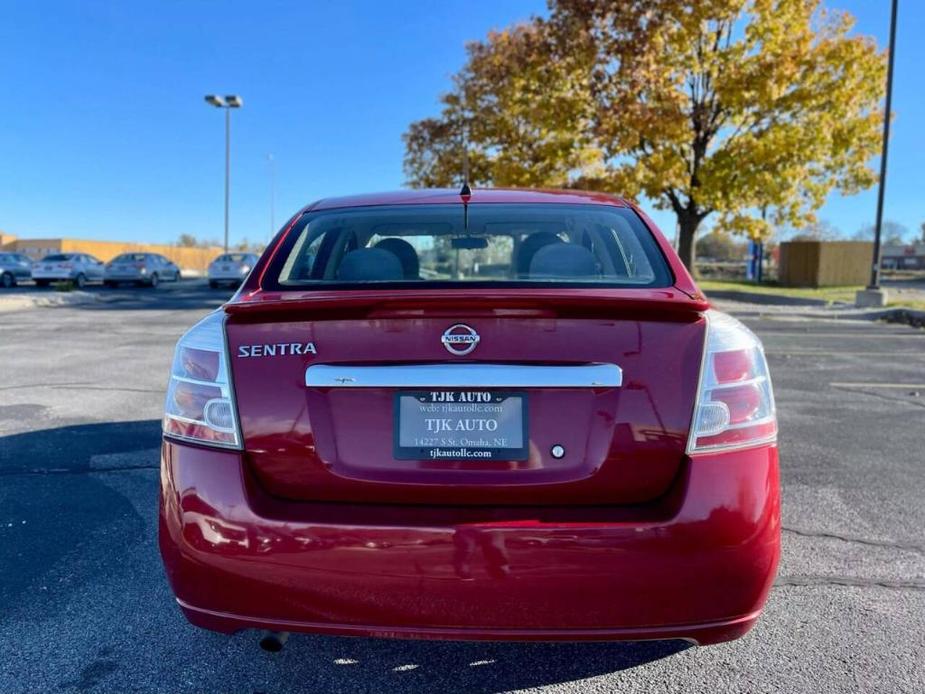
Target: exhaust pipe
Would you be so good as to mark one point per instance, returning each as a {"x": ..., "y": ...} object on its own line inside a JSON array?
[{"x": 273, "y": 641}]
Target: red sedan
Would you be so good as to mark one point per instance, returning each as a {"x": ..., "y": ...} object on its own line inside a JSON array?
[{"x": 489, "y": 414}]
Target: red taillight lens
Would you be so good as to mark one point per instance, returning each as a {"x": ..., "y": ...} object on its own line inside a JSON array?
[
  {"x": 735, "y": 403},
  {"x": 191, "y": 398},
  {"x": 199, "y": 433},
  {"x": 732, "y": 366},
  {"x": 743, "y": 402},
  {"x": 200, "y": 403},
  {"x": 199, "y": 363}
]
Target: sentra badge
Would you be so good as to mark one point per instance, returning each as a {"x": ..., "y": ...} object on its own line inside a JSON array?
[{"x": 278, "y": 349}]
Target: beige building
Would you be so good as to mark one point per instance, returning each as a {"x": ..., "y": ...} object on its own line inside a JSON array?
[{"x": 197, "y": 259}]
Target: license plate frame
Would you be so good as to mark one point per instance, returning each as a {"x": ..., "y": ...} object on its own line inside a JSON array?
[{"x": 456, "y": 446}]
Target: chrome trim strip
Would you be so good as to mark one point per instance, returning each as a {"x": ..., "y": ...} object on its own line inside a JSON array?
[{"x": 464, "y": 376}]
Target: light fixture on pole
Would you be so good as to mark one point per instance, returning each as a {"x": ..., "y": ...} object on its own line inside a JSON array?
[{"x": 226, "y": 102}]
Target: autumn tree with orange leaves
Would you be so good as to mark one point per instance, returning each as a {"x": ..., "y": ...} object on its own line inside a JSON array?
[{"x": 749, "y": 112}]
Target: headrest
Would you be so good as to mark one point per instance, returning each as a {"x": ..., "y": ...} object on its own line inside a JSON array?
[
  {"x": 530, "y": 246},
  {"x": 563, "y": 260},
  {"x": 369, "y": 265},
  {"x": 407, "y": 256}
]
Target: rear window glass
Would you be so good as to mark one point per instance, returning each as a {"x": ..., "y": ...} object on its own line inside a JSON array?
[
  {"x": 130, "y": 258},
  {"x": 491, "y": 244},
  {"x": 57, "y": 257},
  {"x": 232, "y": 258}
]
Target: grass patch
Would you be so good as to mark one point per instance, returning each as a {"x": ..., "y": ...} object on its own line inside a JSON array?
[
  {"x": 845, "y": 294},
  {"x": 63, "y": 286},
  {"x": 915, "y": 305}
]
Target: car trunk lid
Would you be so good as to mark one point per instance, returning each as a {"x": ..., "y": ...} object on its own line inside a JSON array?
[{"x": 603, "y": 381}]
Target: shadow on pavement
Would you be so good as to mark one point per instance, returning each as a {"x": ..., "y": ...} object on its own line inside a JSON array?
[
  {"x": 380, "y": 665},
  {"x": 49, "y": 507},
  {"x": 70, "y": 448}
]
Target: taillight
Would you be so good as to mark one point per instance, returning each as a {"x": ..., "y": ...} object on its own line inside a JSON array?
[
  {"x": 735, "y": 403},
  {"x": 200, "y": 400}
]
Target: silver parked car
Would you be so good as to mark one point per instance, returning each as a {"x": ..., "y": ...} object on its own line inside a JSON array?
[
  {"x": 13, "y": 268},
  {"x": 79, "y": 268},
  {"x": 148, "y": 269},
  {"x": 230, "y": 268}
]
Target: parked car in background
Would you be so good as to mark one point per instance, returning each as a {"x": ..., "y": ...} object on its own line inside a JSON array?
[
  {"x": 78, "y": 268},
  {"x": 231, "y": 268},
  {"x": 147, "y": 269},
  {"x": 14, "y": 267},
  {"x": 493, "y": 414}
]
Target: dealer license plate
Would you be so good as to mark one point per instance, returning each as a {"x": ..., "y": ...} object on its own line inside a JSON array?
[{"x": 460, "y": 425}]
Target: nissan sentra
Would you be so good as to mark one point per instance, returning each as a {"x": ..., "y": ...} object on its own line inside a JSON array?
[{"x": 475, "y": 414}]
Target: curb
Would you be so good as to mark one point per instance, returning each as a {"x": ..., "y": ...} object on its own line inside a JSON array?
[
  {"x": 766, "y": 299},
  {"x": 18, "y": 302},
  {"x": 905, "y": 316}
]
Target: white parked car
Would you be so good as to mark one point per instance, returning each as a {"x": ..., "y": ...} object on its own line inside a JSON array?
[
  {"x": 79, "y": 268},
  {"x": 14, "y": 267},
  {"x": 230, "y": 268},
  {"x": 141, "y": 268}
]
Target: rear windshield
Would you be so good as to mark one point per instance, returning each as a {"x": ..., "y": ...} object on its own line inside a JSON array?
[
  {"x": 57, "y": 257},
  {"x": 231, "y": 258},
  {"x": 489, "y": 244},
  {"x": 130, "y": 258}
]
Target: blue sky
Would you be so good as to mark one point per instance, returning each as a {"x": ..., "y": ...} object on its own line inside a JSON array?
[{"x": 104, "y": 132}]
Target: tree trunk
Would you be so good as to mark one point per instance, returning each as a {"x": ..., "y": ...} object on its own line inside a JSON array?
[{"x": 687, "y": 239}]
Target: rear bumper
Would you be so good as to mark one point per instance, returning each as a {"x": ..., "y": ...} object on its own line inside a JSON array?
[
  {"x": 697, "y": 565},
  {"x": 54, "y": 274}
]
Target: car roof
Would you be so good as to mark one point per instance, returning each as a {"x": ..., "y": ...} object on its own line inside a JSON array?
[{"x": 442, "y": 196}]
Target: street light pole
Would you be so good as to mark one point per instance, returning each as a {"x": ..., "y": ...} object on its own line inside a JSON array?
[
  {"x": 227, "y": 169},
  {"x": 272, "y": 164},
  {"x": 227, "y": 103},
  {"x": 875, "y": 268}
]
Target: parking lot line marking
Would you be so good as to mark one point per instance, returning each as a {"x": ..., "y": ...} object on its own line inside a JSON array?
[
  {"x": 871, "y": 335},
  {"x": 838, "y": 353},
  {"x": 877, "y": 385}
]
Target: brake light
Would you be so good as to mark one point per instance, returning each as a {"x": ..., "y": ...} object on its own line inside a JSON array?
[
  {"x": 200, "y": 400},
  {"x": 735, "y": 402}
]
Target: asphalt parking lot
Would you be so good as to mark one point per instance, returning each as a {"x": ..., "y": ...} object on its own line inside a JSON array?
[{"x": 85, "y": 606}]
